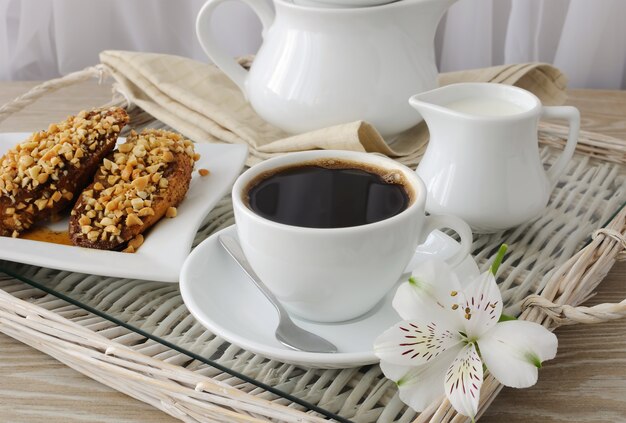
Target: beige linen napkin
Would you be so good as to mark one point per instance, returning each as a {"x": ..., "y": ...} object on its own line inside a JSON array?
[{"x": 199, "y": 101}]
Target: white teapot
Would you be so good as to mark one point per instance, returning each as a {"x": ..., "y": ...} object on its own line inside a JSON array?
[{"x": 322, "y": 66}]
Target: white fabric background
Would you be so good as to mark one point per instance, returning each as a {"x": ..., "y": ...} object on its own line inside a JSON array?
[{"x": 41, "y": 39}]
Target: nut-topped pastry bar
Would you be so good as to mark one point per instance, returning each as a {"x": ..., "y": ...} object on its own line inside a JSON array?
[
  {"x": 42, "y": 175},
  {"x": 136, "y": 185}
]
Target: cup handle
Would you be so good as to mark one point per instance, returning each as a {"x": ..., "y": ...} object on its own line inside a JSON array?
[
  {"x": 435, "y": 221},
  {"x": 226, "y": 63},
  {"x": 572, "y": 115}
]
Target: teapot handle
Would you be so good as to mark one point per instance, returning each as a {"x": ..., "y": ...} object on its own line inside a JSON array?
[
  {"x": 228, "y": 64},
  {"x": 572, "y": 115}
]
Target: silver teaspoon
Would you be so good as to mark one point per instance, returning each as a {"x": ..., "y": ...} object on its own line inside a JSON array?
[{"x": 287, "y": 332}]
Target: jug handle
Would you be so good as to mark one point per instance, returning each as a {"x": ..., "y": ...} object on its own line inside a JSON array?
[
  {"x": 572, "y": 115},
  {"x": 226, "y": 63}
]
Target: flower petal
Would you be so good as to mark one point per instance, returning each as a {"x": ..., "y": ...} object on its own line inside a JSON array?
[
  {"x": 427, "y": 296},
  {"x": 480, "y": 305},
  {"x": 420, "y": 386},
  {"x": 513, "y": 350},
  {"x": 414, "y": 343},
  {"x": 464, "y": 379}
]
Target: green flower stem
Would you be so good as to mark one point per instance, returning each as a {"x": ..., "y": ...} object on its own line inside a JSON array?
[
  {"x": 506, "y": 318},
  {"x": 498, "y": 260}
]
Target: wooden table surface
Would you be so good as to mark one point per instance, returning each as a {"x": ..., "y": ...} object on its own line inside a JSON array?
[{"x": 586, "y": 382}]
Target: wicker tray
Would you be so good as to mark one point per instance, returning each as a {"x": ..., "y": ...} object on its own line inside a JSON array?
[{"x": 137, "y": 336}]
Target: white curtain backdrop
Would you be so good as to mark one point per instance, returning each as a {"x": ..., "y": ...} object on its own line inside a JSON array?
[{"x": 41, "y": 39}]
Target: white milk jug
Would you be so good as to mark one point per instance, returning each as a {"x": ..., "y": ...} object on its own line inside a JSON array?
[
  {"x": 482, "y": 163},
  {"x": 322, "y": 66}
]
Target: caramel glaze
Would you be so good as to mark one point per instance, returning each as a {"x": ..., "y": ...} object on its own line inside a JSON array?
[{"x": 43, "y": 234}]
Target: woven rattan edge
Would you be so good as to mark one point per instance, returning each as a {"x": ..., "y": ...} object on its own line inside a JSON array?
[{"x": 182, "y": 393}]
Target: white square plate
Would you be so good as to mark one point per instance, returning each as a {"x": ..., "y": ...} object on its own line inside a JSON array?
[{"x": 167, "y": 244}]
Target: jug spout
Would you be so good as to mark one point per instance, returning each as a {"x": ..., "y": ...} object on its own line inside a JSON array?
[{"x": 430, "y": 105}]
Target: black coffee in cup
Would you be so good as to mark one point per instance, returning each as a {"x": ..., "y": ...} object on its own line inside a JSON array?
[{"x": 328, "y": 193}]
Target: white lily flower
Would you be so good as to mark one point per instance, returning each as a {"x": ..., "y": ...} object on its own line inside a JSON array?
[{"x": 450, "y": 329}]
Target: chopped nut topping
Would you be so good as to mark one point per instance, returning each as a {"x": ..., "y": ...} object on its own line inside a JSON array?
[
  {"x": 141, "y": 182},
  {"x": 133, "y": 220},
  {"x": 128, "y": 183},
  {"x": 30, "y": 171},
  {"x": 41, "y": 203},
  {"x": 136, "y": 242},
  {"x": 146, "y": 211},
  {"x": 107, "y": 221}
]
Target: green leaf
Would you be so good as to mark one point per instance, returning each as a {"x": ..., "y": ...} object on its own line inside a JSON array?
[
  {"x": 498, "y": 260},
  {"x": 506, "y": 318}
]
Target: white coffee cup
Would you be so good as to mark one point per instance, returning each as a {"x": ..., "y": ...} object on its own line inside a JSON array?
[{"x": 336, "y": 274}]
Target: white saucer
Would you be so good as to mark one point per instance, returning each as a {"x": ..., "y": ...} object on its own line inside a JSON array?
[{"x": 226, "y": 302}]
